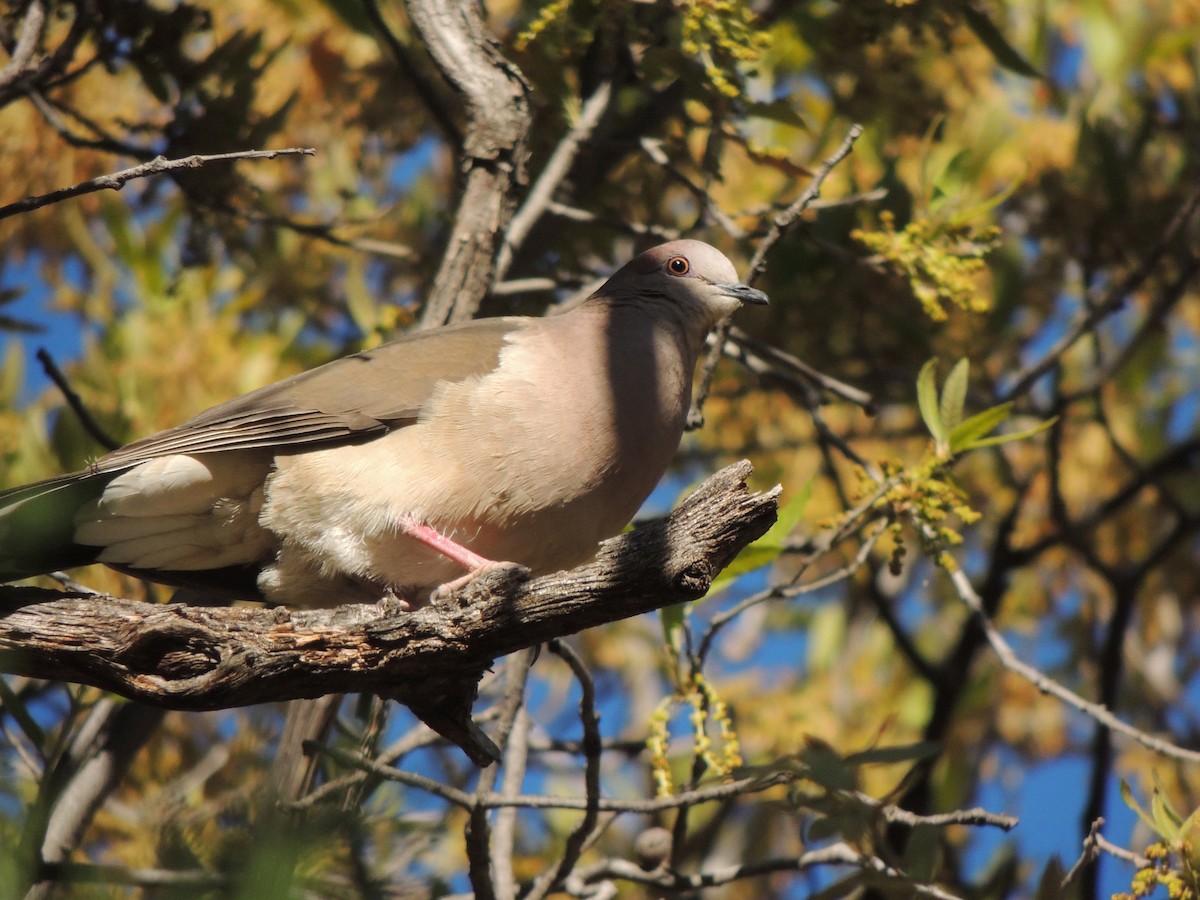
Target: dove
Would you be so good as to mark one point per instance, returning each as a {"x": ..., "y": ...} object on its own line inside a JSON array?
[{"x": 408, "y": 469}]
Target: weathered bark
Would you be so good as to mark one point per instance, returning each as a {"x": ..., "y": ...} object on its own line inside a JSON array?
[
  {"x": 198, "y": 657},
  {"x": 495, "y": 100}
]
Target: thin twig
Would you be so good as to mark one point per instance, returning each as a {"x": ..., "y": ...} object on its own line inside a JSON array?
[
  {"x": 976, "y": 816},
  {"x": 739, "y": 340},
  {"x": 575, "y": 214},
  {"x": 1151, "y": 325},
  {"x": 590, "y": 721},
  {"x": 25, "y": 75},
  {"x": 677, "y": 882},
  {"x": 551, "y": 176},
  {"x": 1111, "y": 302},
  {"x": 421, "y": 735},
  {"x": 781, "y": 223},
  {"x": 504, "y": 829},
  {"x": 785, "y": 219},
  {"x": 156, "y": 166},
  {"x": 90, "y": 425},
  {"x": 820, "y": 545},
  {"x": 1009, "y": 659},
  {"x": 714, "y": 794},
  {"x": 653, "y": 147},
  {"x": 494, "y": 800},
  {"x": 523, "y": 286},
  {"x": 716, "y": 349},
  {"x": 53, "y": 111},
  {"x": 322, "y": 231},
  {"x": 1128, "y": 856},
  {"x": 1091, "y": 850},
  {"x": 85, "y": 873},
  {"x": 789, "y": 592},
  {"x": 489, "y": 850},
  {"x": 435, "y": 105}
]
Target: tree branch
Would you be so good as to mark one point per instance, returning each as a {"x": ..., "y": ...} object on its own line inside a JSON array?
[
  {"x": 787, "y": 217},
  {"x": 22, "y": 62},
  {"x": 590, "y": 720},
  {"x": 838, "y": 854},
  {"x": 82, "y": 413},
  {"x": 1105, "y": 307},
  {"x": 191, "y": 657},
  {"x": 781, "y": 223},
  {"x": 156, "y": 166},
  {"x": 495, "y": 97},
  {"x": 1009, "y": 660},
  {"x": 551, "y": 177}
]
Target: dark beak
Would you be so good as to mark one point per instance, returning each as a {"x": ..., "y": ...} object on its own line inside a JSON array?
[{"x": 744, "y": 293}]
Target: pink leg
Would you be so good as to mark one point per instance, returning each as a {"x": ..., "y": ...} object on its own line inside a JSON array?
[
  {"x": 435, "y": 540},
  {"x": 452, "y": 550}
]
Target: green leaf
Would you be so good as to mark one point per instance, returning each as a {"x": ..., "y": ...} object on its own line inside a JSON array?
[
  {"x": 826, "y": 637},
  {"x": 781, "y": 110},
  {"x": 985, "y": 206},
  {"x": 1159, "y": 792},
  {"x": 12, "y": 372},
  {"x": 1127, "y": 796},
  {"x": 1014, "y": 436},
  {"x": 1190, "y": 834},
  {"x": 351, "y": 12},
  {"x": 1050, "y": 884},
  {"x": 927, "y": 400},
  {"x": 826, "y": 768},
  {"x": 991, "y": 37},
  {"x": 672, "y": 625},
  {"x": 819, "y": 829},
  {"x": 1166, "y": 820},
  {"x": 897, "y": 754},
  {"x": 767, "y": 548},
  {"x": 954, "y": 395},
  {"x": 789, "y": 517},
  {"x": 948, "y": 181},
  {"x": 964, "y": 435},
  {"x": 851, "y": 884},
  {"x": 922, "y": 851}
]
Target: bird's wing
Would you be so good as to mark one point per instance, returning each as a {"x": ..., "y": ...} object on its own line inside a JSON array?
[{"x": 351, "y": 399}]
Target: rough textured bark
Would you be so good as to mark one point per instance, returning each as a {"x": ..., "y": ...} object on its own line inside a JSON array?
[
  {"x": 495, "y": 99},
  {"x": 197, "y": 657}
]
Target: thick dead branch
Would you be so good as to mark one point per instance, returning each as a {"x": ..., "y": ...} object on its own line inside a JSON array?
[
  {"x": 495, "y": 99},
  {"x": 195, "y": 657}
]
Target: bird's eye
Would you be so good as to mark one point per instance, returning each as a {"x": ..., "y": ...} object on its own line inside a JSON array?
[{"x": 678, "y": 265}]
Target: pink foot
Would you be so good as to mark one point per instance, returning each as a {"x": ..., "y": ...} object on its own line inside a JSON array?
[
  {"x": 445, "y": 590},
  {"x": 467, "y": 558}
]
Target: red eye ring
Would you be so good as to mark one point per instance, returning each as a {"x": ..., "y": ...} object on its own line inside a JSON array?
[{"x": 678, "y": 265}]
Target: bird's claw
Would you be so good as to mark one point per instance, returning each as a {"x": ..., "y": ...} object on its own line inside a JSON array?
[{"x": 489, "y": 568}]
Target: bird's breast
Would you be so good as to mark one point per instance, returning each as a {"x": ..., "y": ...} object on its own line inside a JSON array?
[
  {"x": 562, "y": 449},
  {"x": 534, "y": 462}
]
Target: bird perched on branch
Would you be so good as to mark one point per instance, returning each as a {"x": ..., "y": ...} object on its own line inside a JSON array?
[{"x": 408, "y": 468}]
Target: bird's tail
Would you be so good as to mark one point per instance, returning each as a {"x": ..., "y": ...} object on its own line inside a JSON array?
[{"x": 37, "y": 526}]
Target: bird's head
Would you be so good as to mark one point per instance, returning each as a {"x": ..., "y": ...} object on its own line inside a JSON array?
[{"x": 693, "y": 277}]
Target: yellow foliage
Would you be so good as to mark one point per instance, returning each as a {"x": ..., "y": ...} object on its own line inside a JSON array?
[{"x": 941, "y": 263}]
